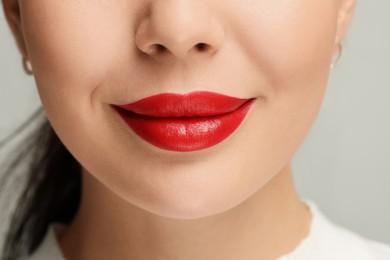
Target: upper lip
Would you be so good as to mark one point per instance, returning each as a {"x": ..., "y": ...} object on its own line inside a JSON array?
[{"x": 193, "y": 104}]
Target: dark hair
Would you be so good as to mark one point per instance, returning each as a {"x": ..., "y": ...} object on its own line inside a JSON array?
[{"x": 51, "y": 187}]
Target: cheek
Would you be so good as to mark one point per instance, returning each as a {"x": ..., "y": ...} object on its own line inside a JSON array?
[
  {"x": 72, "y": 46},
  {"x": 287, "y": 40},
  {"x": 72, "y": 43},
  {"x": 290, "y": 43}
]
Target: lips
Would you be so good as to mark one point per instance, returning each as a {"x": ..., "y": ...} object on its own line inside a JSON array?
[{"x": 187, "y": 122}]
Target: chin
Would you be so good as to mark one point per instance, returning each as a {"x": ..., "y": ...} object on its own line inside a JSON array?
[
  {"x": 191, "y": 201},
  {"x": 196, "y": 208}
]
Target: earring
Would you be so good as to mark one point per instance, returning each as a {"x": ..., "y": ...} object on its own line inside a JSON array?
[
  {"x": 340, "y": 53},
  {"x": 27, "y": 66}
]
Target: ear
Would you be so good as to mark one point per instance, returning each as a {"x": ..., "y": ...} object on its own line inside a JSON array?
[
  {"x": 12, "y": 14},
  {"x": 346, "y": 9}
]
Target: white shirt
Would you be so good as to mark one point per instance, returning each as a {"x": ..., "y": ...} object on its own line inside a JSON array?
[{"x": 325, "y": 241}]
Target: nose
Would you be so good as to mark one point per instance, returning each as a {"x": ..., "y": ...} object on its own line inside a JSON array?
[{"x": 179, "y": 28}]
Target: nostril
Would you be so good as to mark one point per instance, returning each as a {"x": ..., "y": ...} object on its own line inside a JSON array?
[
  {"x": 201, "y": 46},
  {"x": 157, "y": 48}
]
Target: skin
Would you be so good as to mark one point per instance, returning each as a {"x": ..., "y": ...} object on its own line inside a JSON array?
[{"x": 235, "y": 200}]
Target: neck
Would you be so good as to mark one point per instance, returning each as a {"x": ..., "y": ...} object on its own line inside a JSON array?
[{"x": 270, "y": 223}]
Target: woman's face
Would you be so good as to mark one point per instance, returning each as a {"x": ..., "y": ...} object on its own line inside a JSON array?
[{"x": 88, "y": 54}]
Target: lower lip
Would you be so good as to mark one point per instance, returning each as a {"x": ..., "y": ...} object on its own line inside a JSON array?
[{"x": 185, "y": 134}]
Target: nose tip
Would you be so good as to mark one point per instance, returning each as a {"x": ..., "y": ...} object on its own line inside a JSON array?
[{"x": 192, "y": 30}]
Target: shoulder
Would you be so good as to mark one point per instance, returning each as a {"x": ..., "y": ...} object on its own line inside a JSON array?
[
  {"x": 351, "y": 244},
  {"x": 332, "y": 241},
  {"x": 380, "y": 250}
]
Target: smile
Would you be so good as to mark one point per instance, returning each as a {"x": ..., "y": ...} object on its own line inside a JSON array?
[{"x": 187, "y": 122}]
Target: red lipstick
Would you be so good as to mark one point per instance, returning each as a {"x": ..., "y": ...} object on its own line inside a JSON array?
[{"x": 187, "y": 122}]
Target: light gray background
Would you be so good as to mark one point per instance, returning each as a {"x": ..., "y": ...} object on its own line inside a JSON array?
[{"x": 343, "y": 164}]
